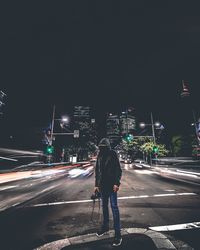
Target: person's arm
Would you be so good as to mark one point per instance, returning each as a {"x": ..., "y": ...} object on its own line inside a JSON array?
[
  {"x": 118, "y": 171},
  {"x": 96, "y": 188}
]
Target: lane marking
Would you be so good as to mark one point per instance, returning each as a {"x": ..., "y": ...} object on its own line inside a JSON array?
[
  {"x": 119, "y": 198},
  {"x": 176, "y": 227},
  {"x": 60, "y": 203},
  {"x": 155, "y": 195},
  {"x": 162, "y": 195},
  {"x": 170, "y": 190}
]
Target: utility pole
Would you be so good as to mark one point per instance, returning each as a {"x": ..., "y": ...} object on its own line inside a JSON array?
[
  {"x": 195, "y": 127},
  {"x": 126, "y": 121},
  {"x": 153, "y": 130},
  {"x": 52, "y": 124}
]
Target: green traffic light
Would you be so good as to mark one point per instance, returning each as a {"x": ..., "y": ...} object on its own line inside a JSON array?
[
  {"x": 50, "y": 149},
  {"x": 129, "y": 138},
  {"x": 155, "y": 149}
]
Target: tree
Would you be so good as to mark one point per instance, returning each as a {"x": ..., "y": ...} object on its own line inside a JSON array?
[
  {"x": 148, "y": 148},
  {"x": 182, "y": 145},
  {"x": 132, "y": 147},
  {"x": 177, "y": 144}
]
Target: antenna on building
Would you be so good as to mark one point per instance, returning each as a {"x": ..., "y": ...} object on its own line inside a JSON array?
[{"x": 185, "y": 91}]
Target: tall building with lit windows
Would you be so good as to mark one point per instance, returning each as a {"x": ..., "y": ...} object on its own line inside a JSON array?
[
  {"x": 118, "y": 125},
  {"x": 113, "y": 128},
  {"x": 82, "y": 112},
  {"x": 127, "y": 123},
  {"x": 85, "y": 122}
]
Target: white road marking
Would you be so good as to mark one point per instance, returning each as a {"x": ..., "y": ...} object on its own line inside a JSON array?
[
  {"x": 49, "y": 188},
  {"x": 191, "y": 225},
  {"x": 60, "y": 203},
  {"x": 119, "y": 198},
  {"x": 8, "y": 187},
  {"x": 161, "y": 195},
  {"x": 133, "y": 197}
]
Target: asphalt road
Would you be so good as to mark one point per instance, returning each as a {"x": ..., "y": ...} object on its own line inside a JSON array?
[{"x": 51, "y": 206}]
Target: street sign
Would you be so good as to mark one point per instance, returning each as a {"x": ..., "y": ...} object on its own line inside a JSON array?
[{"x": 76, "y": 133}]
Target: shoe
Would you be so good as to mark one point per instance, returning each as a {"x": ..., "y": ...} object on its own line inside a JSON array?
[
  {"x": 117, "y": 241},
  {"x": 102, "y": 231}
]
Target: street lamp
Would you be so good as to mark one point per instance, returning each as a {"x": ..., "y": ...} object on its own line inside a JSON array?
[
  {"x": 142, "y": 125},
  {"x": 153, "y": 125},
  {"x": 157, "y": 124},
  {"x": 64, "y": 120}
]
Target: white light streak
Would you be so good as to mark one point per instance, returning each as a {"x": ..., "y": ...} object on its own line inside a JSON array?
[{"x": 8, "y": 187}]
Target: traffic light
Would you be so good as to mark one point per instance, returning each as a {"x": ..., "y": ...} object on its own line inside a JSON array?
[
  {"x": 50, "y": 149},
  {"x": 155, "y": 149},
  {"x": 155, "y": 152},
  {"x": 129, "y": 137}
]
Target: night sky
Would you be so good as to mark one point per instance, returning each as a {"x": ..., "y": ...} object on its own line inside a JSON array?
[{"x": 103, "y": 54}]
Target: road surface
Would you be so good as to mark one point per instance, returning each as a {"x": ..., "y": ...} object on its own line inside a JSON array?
[{"x": 56, "y": 204}]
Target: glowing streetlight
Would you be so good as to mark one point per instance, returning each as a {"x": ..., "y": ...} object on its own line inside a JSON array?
[
  {"x": 153, "y": 125},
  {"x": 142, "y": 125},
  {"x": 157, "y": 124}
]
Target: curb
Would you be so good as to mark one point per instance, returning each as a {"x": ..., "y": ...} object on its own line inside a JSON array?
[{"x": 160, "y": 240}]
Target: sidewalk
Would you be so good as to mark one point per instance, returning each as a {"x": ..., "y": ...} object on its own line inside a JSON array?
[{"x": 133, "y": 238}]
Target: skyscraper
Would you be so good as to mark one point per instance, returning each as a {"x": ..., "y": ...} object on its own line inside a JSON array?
[
  {"x": 82, "y": 119},
  {"x": 118, "y": 125},
  {"x": 127, "y": 121},
  {"x": 85, "y": 123},
  {"x": 113, "y": 128}
]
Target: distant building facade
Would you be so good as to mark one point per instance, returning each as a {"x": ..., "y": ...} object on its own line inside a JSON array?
[
  {"x": 127, "y": 124},
  {"x": 85, "y": 122},
  {"x": 118, "y": 125},
  {"x": 113, "y": 128}
]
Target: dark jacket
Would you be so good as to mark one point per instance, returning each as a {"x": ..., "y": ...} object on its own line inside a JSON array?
[{"x": 108, "y": 170}]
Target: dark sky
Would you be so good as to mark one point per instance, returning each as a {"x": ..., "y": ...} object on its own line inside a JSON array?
[{"x": 105, "y": 54}]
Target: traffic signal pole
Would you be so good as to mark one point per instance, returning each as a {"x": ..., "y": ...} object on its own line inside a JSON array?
[
  {"x": 52, "y": 124},
  {"x": 153, "y": 134},
  {"x": 75, "y": 133},
  {"x": 153, "y": 130},
  {"x": 195, "y": 126}
]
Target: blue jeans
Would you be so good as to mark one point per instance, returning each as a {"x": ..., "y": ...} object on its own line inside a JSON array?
[{"x": 115, "y": 210}]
